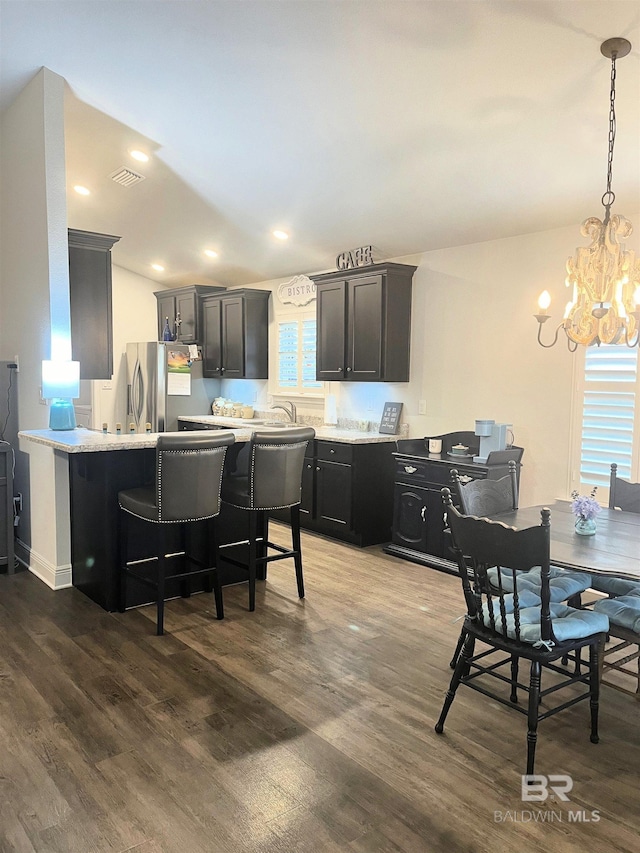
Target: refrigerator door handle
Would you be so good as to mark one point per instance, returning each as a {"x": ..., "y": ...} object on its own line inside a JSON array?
[
  {"x": 129, "y": 399},
  {"x": 137, "y": 393}
]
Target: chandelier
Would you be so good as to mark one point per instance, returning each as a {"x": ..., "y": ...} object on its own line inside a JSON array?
[{"x": 604, "y": 276}]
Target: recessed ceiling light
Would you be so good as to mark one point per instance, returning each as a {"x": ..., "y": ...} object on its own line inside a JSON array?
[
  {"x": 139, "y": 155},
  {"x": 82, "y": 190},
  {"x": 157, "y": 267},
  {"x": 210, "y": 253},
  {"x": 280, "y": 235}
]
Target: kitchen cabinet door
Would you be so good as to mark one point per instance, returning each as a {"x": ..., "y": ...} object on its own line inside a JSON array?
[
  {"x": 333, "y": 495},
  {"x": 232, "y": 337},
  {"x": 365, "y": 327},
  {"x": 331, "y": 325},
  {"x": 211, "y": 338},
  {"x": 90, "y": 302},
  {"x": 410, "y": 517}
]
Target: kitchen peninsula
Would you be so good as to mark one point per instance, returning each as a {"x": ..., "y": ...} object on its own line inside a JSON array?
[{"x": 100, "y": 465}]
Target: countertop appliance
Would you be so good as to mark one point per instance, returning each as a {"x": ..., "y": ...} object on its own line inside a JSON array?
[
  {"x": 163, "y": 383},
  {"x": 493, "y": 436}
]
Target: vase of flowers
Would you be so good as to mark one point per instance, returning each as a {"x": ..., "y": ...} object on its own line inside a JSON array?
[{"x": 585, "y": 509}]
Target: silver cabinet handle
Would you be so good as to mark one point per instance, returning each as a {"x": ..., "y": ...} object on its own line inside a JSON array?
[
  {"x": 423, "y": 513},
  {"x": 465, "y": 479},
  {"x": 332, "y": 450},
  {"x": 317, "y": 468},
  {"x": 348, "y": 370},
  {"x": 410, "y": 469}
]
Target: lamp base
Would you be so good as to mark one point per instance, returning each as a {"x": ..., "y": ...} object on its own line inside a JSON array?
[{"x": 62, "y": 415}]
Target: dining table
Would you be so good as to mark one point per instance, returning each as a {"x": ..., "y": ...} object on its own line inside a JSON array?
[{"x": 614, "y": 549}]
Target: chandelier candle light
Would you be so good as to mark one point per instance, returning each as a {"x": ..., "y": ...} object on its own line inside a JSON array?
[{"x": 605, "y": 277}]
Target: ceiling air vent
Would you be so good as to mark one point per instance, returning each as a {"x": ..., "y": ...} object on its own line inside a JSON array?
[{"x": 125, "y": 177}]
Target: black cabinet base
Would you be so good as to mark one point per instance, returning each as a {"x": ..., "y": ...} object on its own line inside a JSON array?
[{"x": 429, "y": 560}]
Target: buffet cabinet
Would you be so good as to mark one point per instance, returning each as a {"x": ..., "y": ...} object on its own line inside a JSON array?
[
  {"x": 418, "y": 532},
  {"x": 363, "y": 319},
  {"x": 181, "y": 307}
]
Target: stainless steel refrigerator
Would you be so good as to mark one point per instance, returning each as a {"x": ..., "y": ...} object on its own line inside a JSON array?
[{"x": 162, "y": 384}]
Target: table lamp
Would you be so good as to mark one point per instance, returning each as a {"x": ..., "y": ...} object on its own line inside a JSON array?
[{"x": 60, "y": 384}]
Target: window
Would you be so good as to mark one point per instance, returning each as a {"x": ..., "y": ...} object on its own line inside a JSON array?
[
  {"x": 609, "y": 413},
  {"x": 297, "y": 355}
]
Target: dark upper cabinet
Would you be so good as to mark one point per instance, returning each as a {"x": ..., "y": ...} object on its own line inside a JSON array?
[
  {"x": 364, "y": 324},
  {"x": 182, "y": 307},
  {"x": 90, "y": 302},
  {"x": 235, "y": 341}
]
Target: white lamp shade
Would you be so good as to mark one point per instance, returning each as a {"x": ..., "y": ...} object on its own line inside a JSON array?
[{"x": 60, "y": 379}]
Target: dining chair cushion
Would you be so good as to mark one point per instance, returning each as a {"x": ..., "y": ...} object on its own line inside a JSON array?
[
  {"x": 562, "y": 584},
  {"x": 623, "y": 611},
  {"x": 568, "y": 623},
  {"x": 614, "y": 585}
]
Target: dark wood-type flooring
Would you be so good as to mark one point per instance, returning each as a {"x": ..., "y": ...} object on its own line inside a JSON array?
[{"x": 305, "y": 726}]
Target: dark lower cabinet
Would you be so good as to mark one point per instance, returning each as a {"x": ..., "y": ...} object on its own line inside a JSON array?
[
  {"x": 416, "y": 520},
  {"x": 347, "y": 491}
]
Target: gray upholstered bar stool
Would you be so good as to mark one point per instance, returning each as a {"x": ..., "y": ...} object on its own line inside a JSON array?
[
  {"x": 270, "y": 479},
  {"x": 187, "y": 486}
]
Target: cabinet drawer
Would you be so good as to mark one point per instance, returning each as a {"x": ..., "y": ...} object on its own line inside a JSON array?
[
  {"x": 334, "y": 451},
  {"x": 424, "y": 471}
]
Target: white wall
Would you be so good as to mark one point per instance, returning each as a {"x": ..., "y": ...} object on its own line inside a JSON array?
[
  {"x": 474, "y": 352},
  {"x": 34, "y": 282}
]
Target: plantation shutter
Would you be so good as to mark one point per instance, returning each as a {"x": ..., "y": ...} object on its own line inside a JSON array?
[
  {"x": 297, "y": 355},
  {"x": 609, "y": 413}
]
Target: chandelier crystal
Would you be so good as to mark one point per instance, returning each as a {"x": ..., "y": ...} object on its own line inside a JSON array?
[{"x": 604, "y": 276}]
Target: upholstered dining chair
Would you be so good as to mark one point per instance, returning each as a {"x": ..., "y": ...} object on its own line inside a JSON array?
[
  {"x": 621, "y": 655},
  {"x": 519, "y": 624},
  {"x": 188, "y": 477},
  {"x": 491, "y": 497},
  {"x": 269, "y": 479}
]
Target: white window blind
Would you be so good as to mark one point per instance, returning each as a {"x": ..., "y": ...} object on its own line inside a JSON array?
[
  {"x": 297, "y": 355},
  {"x": 610, "y": 413}
]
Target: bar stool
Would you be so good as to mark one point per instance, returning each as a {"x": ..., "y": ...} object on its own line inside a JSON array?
[
  {"x": 187, "y": 486},
  {"x": 270, "y": 479}
]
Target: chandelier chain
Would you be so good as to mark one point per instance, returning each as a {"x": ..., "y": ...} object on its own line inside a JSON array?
[{"x": 609, "y": 197}]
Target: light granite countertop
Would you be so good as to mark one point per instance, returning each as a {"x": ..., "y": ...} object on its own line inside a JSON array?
[{"x": 82, "y": 440}]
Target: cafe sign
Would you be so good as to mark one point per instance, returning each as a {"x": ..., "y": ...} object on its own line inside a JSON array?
[
  {"x": 299, "y": 291},
  {"x": 361, "y": 257}
]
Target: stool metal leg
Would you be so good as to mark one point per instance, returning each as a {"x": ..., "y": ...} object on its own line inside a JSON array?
[
  {"x": 162, "y": 539},
  {"x": 124, "y": 553},
  {"x": 253, "y": 555},
  {"x": 297, "y": 551}
]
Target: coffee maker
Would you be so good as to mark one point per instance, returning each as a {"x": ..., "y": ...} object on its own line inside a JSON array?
[{"x": 493, "y": 436}]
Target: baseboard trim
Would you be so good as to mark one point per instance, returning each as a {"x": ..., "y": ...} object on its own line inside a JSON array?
[{"x": 55, "y": 577}]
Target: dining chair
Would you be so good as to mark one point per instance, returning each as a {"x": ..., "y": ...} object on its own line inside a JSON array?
[
  {"x": 622, "y": 605},
  {"x": 269, "y": 478},
  {"x": 186, "y": 491},
  {"x": 482, "y": 498},
  {"x": 520, "y": 624}
]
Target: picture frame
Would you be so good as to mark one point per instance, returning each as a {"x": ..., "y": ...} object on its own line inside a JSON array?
[{"x": 390, "y": 421}]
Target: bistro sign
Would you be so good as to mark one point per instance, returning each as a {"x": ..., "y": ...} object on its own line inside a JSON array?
[
  {"x": 361, "y": 257},
  {"x": 299, "y": 291}
]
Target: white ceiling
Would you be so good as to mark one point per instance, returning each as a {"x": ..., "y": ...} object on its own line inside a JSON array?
[{"x": 406, "y": 125}]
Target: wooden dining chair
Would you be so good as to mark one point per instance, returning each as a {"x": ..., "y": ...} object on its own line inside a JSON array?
[
  {"x": 520, "y": 624},
  {"x": 621, "y": 655},
  {"x": 491, "y": 497}
]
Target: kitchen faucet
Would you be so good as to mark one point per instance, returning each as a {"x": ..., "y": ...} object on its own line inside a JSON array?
[{"x": 289, "y": 408}]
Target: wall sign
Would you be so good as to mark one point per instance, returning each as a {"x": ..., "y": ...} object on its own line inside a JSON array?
[
  {"x": 299, "y": 291},
  {"x": 390, "y": 422},
  {"x": 361, "y": 257}
]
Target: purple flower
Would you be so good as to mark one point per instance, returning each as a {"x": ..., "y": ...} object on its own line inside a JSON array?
[{"x": 586, "y": 506}]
